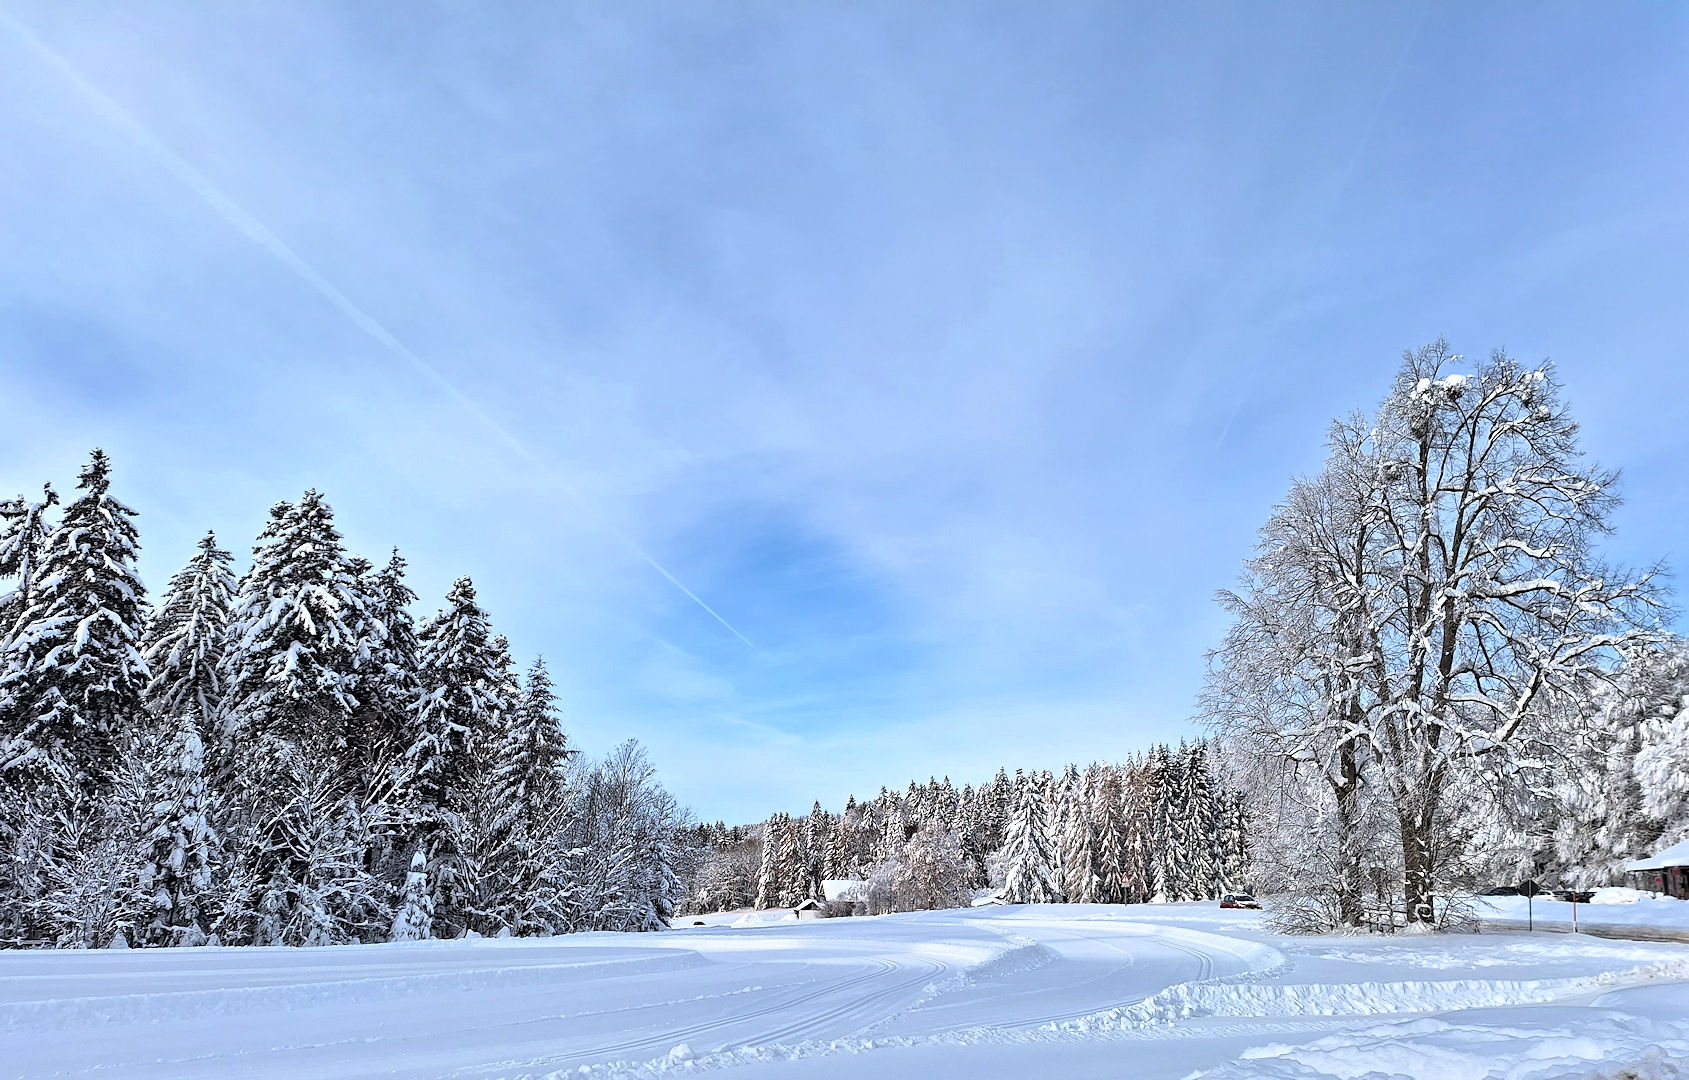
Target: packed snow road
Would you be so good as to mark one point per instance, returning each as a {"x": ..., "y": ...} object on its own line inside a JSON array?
[{"x": 999, "y": 991}]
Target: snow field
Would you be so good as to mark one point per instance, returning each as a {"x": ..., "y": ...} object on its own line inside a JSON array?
[{"x": 1069, "y": 990}]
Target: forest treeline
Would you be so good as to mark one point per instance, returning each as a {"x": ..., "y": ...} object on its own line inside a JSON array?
[
  {"x": 287, "y": 756},
  {"x": 1162, "y": 826}
]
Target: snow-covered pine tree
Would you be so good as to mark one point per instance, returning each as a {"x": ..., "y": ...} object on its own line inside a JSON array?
[
  {"x": 24, "y": 820},
  {"x": 527, "y": 791},
  {"x": 1234, "y": 844},
  {"x": 1070, "y": 832},
  {"x": 389, "y": 690},
  {"x": 185, "y": 636},
  {"x": 415, "y": 920},
  {"x": 72, "y": 677},
  {"x": 461, "y": 699},
  {"x": 462, "y": 685},
  {"x": 292, "y": 654},
  {"x": 1029, "y": 870},
  {"x": 1168, "y": 839},
  {"x": 793, "y": 872},
  {"x": 1107, "y": 813},
  {"x": 1138, "y": 821},
  {"x": 768, "y": 878},
  {"x": 818, "y": 833},
  {"x": 24, "y": 528},
  {"x": 182, "y": 843},
  {"x": 1203, "y": 860},
  {"x": 535, "y": 755}
]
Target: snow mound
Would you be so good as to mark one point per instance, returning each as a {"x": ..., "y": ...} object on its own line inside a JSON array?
[
  {"x": 1607, "y": 1047},
  {"x": 1617, "y": 894},
  {"x": 1234, "y": 999}
]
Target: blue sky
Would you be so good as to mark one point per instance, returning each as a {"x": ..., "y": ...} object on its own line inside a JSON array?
[{"x": 952, "y": 353}]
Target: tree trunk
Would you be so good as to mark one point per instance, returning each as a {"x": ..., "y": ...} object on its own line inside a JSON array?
[
  {"x": 1417, "y": 860},
  {"x": 1350, "y": 911}
]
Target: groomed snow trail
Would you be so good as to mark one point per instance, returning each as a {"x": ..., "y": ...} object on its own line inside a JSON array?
[{"x": 1168, "y": 988}]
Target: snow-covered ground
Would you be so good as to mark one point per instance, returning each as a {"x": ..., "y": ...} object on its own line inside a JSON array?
[
  {"x": 1622, "y": 910},
  {"x": 1083, "y": 991}
]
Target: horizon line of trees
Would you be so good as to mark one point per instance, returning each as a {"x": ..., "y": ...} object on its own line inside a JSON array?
[
  {"x": 288, "y": 756},
  {"x": 1159, "y": 827}
]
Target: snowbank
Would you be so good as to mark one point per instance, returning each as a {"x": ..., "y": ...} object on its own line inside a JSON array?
[{"x": 1599, "y": 1046}]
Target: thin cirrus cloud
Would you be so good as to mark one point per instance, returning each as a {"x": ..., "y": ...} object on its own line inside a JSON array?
[{"x": 950, "y": 354}]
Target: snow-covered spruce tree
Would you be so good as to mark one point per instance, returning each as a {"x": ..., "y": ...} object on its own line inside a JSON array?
[
  {"x": 792, "y": 870},
  {"x": 441, "y": 770},
  {"x": 24, "y": 529},
  {"x": 768, "y": 877},
  {"x": 1137, "y": 809},
  {"x": 185, "y": 637},
  {"x": 182, "y": 844},
  {"x": 389, "y": 689},
  {"x": 291, "y": 660},
  {"x": 24, "y": 847},
  {"x": 1106, "y": 811},
  {"x": 818, "y": 831},
  {"x": 1199, "y": 828},
  {"x": 72, "y": 676},
  {"x": 415, "y": 920},
  {"x": 1028, "y": 858},
  {"x": 290, "y": 671},
  {"x": 1234, "y": 844},
  {"x": 1171, "y": 858},
  {"x": 1074, "y": 840},
  {"x": 533, "y": 760}
]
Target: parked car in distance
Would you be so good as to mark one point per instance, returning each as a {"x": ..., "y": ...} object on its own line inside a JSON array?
[
  {"x": 1575, "y": 896},
  {"x": 1500, "y": 890},
  {"x": 1239, "y": 900}
]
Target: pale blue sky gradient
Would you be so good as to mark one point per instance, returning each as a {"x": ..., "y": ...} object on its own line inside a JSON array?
[{"x": 952, "y": 353}]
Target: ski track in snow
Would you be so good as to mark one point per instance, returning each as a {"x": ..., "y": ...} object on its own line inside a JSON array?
[{"x": 779, "y": 994}]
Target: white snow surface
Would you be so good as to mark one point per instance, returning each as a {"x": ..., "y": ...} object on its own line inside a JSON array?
[
  {"x": 1643, "y": 912},
  {"x": 1153, "y": 991}
]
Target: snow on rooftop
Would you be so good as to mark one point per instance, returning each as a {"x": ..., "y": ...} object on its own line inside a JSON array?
[{"x": 1676, "y": 855}]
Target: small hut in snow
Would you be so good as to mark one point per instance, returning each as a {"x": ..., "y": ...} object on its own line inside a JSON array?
[{"x": 1665, "y": 871}]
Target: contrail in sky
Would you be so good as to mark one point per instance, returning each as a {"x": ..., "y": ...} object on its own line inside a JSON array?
[{"x": 255, "y": 230}]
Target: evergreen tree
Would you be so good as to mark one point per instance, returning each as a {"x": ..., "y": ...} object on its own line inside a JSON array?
[
  {"x": 293, "y": 648},
  {"x": 182, "y": 844},
  {"x": 1108, "y": 815},
  {"x": 1029, "y": 861},
  {"x": 415, "y": 920},
  {"x": 534, "y": 756},
  {"x": 185, "y": 638},
  {"x": 462, "y": 687},
  {"x": 769, "y": 886},
  {"x": 1166, "y": 845},
  {"x": 24, "y": 529},
  {"x": 389, "y": 689},
  {"x": 72, "y": 675},
  {"x": 1202, "y": 860},
  {"x": 442, "y": 771}
]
